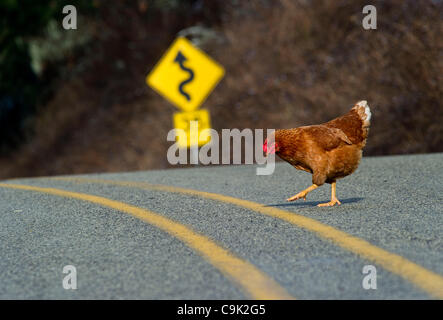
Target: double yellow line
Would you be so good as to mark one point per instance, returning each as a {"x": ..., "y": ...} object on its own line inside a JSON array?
[
  {"x": 253, "y": 282},
  {"x": 427, "y": 280}
]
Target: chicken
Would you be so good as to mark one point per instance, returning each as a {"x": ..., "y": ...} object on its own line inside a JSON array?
[{"x": 328, "y": 151}]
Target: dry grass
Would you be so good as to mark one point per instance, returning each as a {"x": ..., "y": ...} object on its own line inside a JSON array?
[
  {"x": 288, "y": 63},
  {"x": 307, "y": 63}
]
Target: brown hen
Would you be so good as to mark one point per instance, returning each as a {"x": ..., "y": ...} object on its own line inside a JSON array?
[{"x": 328, "y": 151}]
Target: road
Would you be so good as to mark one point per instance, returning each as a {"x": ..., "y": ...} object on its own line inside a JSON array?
[{"x": 225, "y": 233}]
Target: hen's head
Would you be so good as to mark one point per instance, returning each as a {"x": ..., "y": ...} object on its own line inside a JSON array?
[{"x": 270, "y": 149}]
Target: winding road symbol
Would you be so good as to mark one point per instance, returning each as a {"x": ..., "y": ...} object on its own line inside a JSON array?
[
  {"x": 185, "y": 75},
  {"x": 180, "y": 59}
]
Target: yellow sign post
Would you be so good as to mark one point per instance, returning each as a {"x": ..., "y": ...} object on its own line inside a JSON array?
[{"x": 185, "y": 76}]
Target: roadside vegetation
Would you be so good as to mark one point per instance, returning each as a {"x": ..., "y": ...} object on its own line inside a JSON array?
[{"x": 76, "y": 101}]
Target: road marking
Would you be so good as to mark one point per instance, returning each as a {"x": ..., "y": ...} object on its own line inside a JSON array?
[
  {"x": 254, "y": 283},
  {"x": 427, "y": 280}
]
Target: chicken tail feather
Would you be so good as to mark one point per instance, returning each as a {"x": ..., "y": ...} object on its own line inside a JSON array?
[
  {"x": 364, "y": 112},
  {"x": 355, "y": 124}
]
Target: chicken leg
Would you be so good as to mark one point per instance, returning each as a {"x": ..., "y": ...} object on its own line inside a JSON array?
[
  {"x": 334, "y": 199},
  {"x": 303, "y": 193}
]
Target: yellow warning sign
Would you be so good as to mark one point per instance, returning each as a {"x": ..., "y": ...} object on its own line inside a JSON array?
[
  {"x": 182, "y": 120},
  {"x": 185, "y": 75}
]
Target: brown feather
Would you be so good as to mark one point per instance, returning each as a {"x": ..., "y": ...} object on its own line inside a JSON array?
[{"x": 329, "y": 151}]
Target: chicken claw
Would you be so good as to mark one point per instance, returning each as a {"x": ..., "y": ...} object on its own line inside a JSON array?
[
  {"x": 331, "y": 203},
  {"x": 302, "y": 194},
  {"x": 299, "y": 195},
  {"x": 334, "y": 199}
]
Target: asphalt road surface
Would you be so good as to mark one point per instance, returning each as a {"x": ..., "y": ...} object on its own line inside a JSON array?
[{"x": 225, "y": 233}]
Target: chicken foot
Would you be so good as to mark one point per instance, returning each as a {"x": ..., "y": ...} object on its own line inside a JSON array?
[
  {"x": 303, "y": 193},
  {"x": 334, "y": 199}
]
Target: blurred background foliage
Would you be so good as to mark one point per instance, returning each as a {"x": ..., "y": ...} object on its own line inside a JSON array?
[
  {"x": 21, "y": 58},
  {"x": 75, "y": 101}
]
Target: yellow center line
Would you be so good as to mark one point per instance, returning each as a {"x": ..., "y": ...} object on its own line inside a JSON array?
[
  {"x": 427, "y": 280},
  {"x": 254, "y": 283}
]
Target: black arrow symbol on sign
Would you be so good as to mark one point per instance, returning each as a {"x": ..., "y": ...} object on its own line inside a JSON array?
[{"x": 180, "y": 58}]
